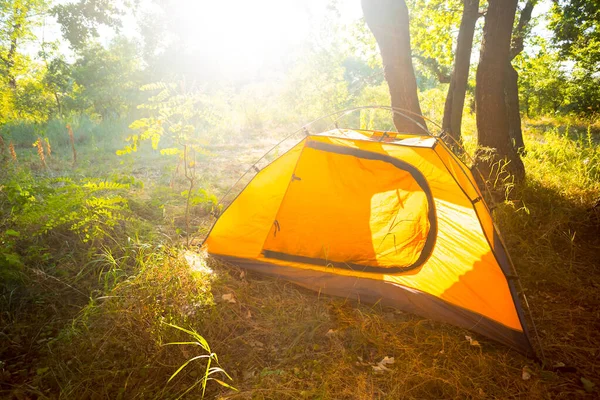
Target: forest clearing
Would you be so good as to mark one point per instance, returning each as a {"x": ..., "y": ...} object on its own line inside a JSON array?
[{"x": 124, "y": 138}]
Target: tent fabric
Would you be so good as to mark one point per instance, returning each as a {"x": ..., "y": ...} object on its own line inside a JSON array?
[{"x": 377, "y": 217}]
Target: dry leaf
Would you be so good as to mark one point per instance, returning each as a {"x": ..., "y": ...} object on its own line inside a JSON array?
[
  {"x": 330, "y": 333},
  {"x": 242, "y": 275},
  {"x": 472, "y": 341},
  {"x": 381, "y": 365},
  {"x": 248, "y": 314},
  {"x": 387, "y": 360},
  {"x": 526, "y": 374},
  {"x": 380, "y": 368},
  {"x": 361, "y": 362},
  {"x": 229, "y": 298}
]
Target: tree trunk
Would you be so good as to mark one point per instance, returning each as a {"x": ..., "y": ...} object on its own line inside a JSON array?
[
  {"x": 497, "y": 157},
  {"x": 511, "y": 93},
  {"x": 10, "y": 59},
  {"x": 388, "y": 20},
  {"x": 58, "y": 106},
  {"x": 511, "y": 90},
  {"x": 455, "y": 100}
]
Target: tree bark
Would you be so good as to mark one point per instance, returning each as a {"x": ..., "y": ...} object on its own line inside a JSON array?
[
  {"x": 455, "y": 100},
  {"x": 10, "y": 58},
  {"x": 15, "y": 19},
  {"x": 388, "y": 20},
  {"x": 497, "y": 156},
  {"x": 511, "y": 97},
  {"x": 58, "y": 105},
  {"x": 512, "y": 78}
]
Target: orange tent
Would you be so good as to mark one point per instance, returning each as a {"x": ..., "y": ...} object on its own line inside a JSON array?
[{"x": 394, "y": 218}]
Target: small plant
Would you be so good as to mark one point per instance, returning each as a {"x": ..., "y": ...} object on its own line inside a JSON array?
[
  {"x": 176, "y": 116},
  {"x": 210, "y": 359},
  {"x": 40, "y": 151},
  {"x": 48, "y": 148},
  {"x": 13, "y": 153},
  {"x": 92, "y": 210}
]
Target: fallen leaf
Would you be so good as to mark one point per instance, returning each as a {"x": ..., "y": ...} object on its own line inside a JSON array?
[
  {"x": 588, "y": 385},
  {"x": 256, "y": 343},
  {"x": 472, "y": 341},
  {"x": 381, "y": 365},
  {"x": 248, "y": 314},
  {"x": 330, "y": 333},
  {"x": 242, "y": 275},
  {"x": 361, "y": 362},
  {"x": 228, "y": 298},
  {"x": 387, "y": 360},
  {"x": 380, "y": 368},
  {"x": 526, "y": 374}
]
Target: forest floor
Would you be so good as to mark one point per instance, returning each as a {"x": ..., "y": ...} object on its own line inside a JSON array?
[{"x": 92, "y": 320}]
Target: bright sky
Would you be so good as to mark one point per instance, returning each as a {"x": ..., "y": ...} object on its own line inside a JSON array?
[
  {"x": 252, "y": 34},
  {"x": 249, "y": 35}
]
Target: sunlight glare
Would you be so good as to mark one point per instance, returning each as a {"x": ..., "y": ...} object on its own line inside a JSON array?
[{"x": 242, "y": 33}]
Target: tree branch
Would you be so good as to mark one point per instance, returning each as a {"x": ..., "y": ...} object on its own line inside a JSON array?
[{"x": 518, "y": 36}]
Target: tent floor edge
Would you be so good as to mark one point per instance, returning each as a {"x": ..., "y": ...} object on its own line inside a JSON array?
[{"x": 389, "y": 294}]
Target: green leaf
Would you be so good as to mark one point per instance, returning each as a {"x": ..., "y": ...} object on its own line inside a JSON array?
[
  {"x": 11, "y": 232},
  {"x": 588, "y": 385},
  {"x": 195, "y": 343},
  {"x": 170, "y": 151},
  {"x": 185, "y": 364},
  {"x": 194, "y": 334},
  {"x": 214, "y": 370},
  {"x": 223, "y": 384}
]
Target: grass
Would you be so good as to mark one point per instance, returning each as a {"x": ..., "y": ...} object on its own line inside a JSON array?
[{"x": 92, "y": 323}]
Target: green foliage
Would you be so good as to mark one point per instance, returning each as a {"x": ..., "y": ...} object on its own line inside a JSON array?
[
  {"x": 568, "y": 159},
  {"x": 576, "y": 26},
  {"x": 11, "y": 263},
  {"x": 543, "y": 85},
  {"x": 201, "y": 196},
  {"x": 210, "y": 358},
  {"x": 176, "y": 116},
  {"x": 106, "y": 80},
  {"x": 549, "y": 85},
  {"x": 92, "y": 210},
  {"x": 81, "y": 19},
  {"x": 22, "y": 95},
  {"x": 433, "y": 26},
  {"x": 58, "y": 81}
]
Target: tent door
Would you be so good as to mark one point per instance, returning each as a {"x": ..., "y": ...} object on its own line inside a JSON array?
[{"x": 353, "y": 209}]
